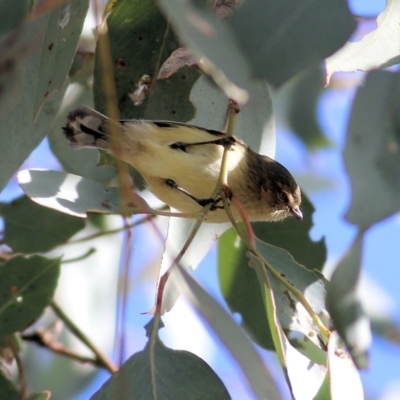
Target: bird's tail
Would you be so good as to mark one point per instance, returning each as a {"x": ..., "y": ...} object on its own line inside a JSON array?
[{"x": 86, "y": 127}]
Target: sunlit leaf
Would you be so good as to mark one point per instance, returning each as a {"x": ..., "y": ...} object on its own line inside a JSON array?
[
  {"x": 71, "y": 194},
  {"x": 377, "y": 49},
  {"x": 345, "y": 381}
]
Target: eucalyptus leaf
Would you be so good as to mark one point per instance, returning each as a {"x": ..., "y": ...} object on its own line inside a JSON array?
[
  {"x": 27, "y": 285},
  {"x": 372, "y": 152},
  {"x": 369, "y": 53},
  {"x": 304, "y": 94},
  {"x": 303, "y": 376},
  {"x": 160, "y": 372},
  {"x": 279, "y": 38},
  {"x": 140, "y": 41},
  {"x": 312, "y": 284},
  {"x": 235, "y": 340},
  {"x": 39, "y": 45},
  {"x": 344, "y": 305},
  {"x": 237, "y": 280},
  {"x": 30, "y": 228},
  {"x": 12, "y": 13},
  {"x": 206, "y": 35},
  {"x": 72, "y": 194},
  {"x": 8, "y": 390},
  {"x": 40, "y": 396},
  {"x": 344, "y": 379}
]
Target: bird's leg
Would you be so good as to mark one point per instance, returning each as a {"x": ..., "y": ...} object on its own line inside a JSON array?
[
  {"x": 225, "y": 141},
  {"x": 202, "y": 202}
]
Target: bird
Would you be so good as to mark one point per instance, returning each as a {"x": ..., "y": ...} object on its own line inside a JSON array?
[{"x": 181, "y": 163}]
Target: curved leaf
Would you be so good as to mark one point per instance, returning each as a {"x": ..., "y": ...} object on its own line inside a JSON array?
[
  {"x": 27, "y": 286},
  {"x": 158, "y": 372},
  {"x": 377, "y": 49},
  {"x": 30, "y": 228}
]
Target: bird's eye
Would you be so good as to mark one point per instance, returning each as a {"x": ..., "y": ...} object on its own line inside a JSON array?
[{"x": 282, "y": 196}]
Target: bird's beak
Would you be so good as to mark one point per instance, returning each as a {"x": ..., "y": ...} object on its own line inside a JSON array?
[{"x": 296, "y": 212}]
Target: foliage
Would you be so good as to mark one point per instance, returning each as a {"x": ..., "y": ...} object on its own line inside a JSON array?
[{"x": 319, "y": 329}]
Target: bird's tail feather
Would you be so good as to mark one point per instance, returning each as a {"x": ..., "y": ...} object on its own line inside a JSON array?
[{"x": 86, "y": 127}]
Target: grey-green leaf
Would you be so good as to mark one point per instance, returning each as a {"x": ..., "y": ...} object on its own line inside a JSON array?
[
  {"x": 70, "y": 194},
  {"x": 345, "y": 307},
  {"x": 35, "y": 92},
  {"x": 282, "y": 37},
  {"x": 162, "y": 373},
  {"x": 31, "y": 228},
  {"x": 238, "y": 281},
  {"x": 140, "y": 41},
  {"x": 377, "y": 49},
  {"x": 8, "y": 390},
  {"x": 372, "y": 152},
  {"x": 206, "y": 35},
  {"x": 27, "y": 285}
]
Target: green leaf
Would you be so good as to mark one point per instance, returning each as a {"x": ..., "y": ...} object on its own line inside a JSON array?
[
  {"x": 206, "y": 35},
  {"x": 294, "y": 236},
  {"x": 27, "y": 285},
  {"x": 7, "y": 388},
  {"x": 282, "y": 37},
  {"x": 237, "y": 280},
  {"x": 304, "y": 376},
  {"x": 305, "y": 91},
  {"x": 345, "y": 307},
  {"x": 377, "y": 49},
  {"x": 62, "y": 30},
  {"x": 12, "y": 13},
  {"x": 160, "y": 372},
  {"x": 35, "y": 89},
  {"x": 324, "y": 390},
  {"x": 169, "y": 99},
  {"x": 372, "y": 152},
  {"x": 40, "y": 396},
  {"x": 31, "y": 228},
  {"x": 140, "y": 41},
  {"x": 70, "y": 194}
]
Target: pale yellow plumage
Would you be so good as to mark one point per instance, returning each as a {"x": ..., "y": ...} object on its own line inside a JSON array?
[{"x": 154, "y": 149}]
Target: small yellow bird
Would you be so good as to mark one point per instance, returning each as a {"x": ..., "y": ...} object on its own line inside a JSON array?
[{"x": 181, "y": 163}]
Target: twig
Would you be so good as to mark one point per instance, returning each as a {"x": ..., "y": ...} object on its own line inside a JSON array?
[
  {"x": 41, "y": 339},
  {"x": 83, "y": 338}
]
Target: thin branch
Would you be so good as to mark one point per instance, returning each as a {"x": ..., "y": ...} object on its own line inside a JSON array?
[
  {"x": 42, "y": 339},
  {"x": 83, "y": 338}
]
